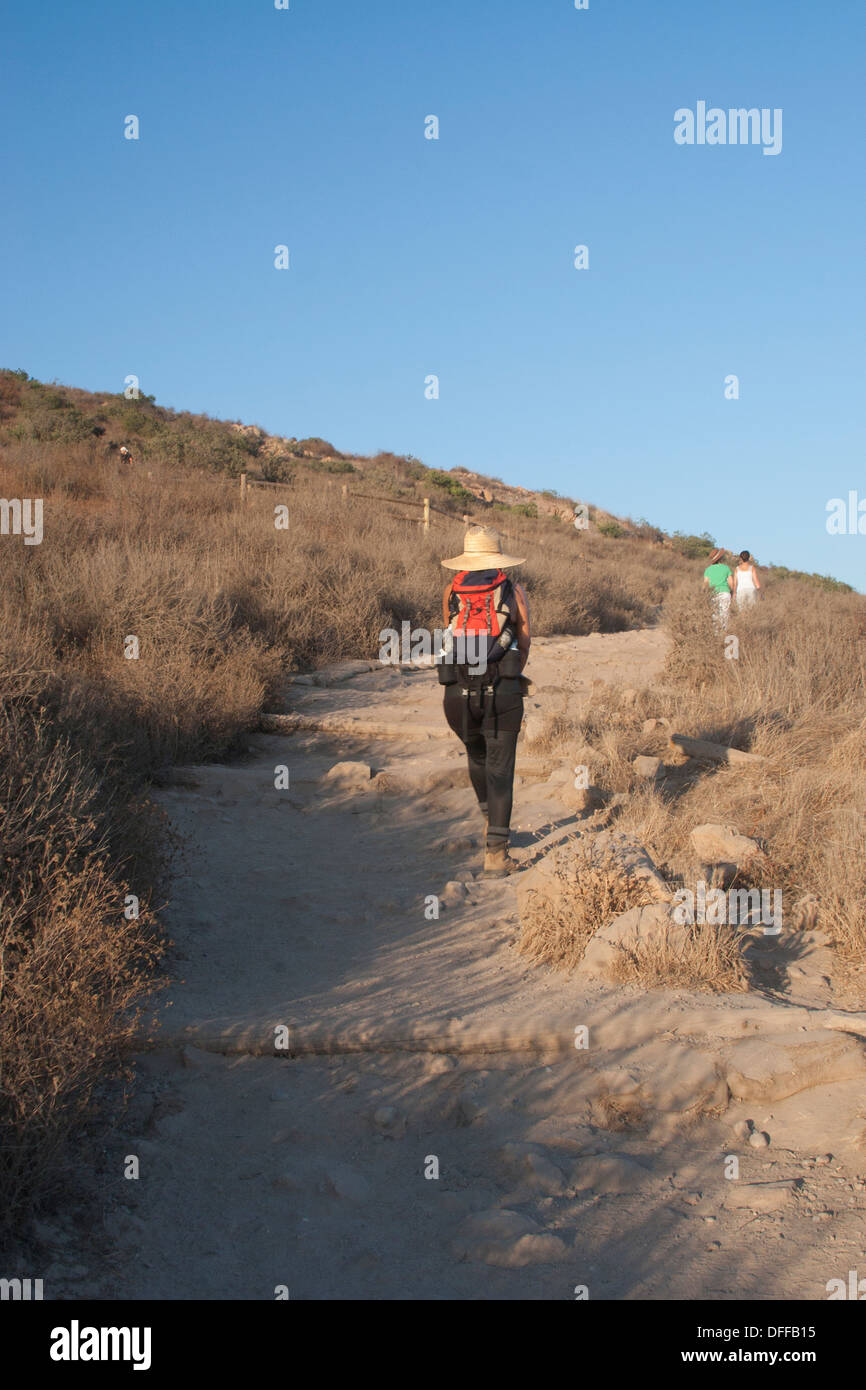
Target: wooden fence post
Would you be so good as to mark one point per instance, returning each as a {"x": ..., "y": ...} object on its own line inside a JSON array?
[
  {"x": 426, "y": 513},
  {"x": 345, "y": 492},
  {"x": 243, "y": 487}
]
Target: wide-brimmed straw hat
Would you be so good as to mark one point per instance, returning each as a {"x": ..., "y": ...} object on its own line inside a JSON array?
[
  {"x": 482, "y": 550},
  {"x": 716, "y": 555}
]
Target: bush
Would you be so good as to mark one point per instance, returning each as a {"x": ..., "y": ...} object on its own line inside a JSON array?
[
  {"x": 611, "y": 529},
  {"x": 693, "y": 547},
  {"x": 448, "y": 483}
]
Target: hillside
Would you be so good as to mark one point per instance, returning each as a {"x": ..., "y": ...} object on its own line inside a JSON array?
[
  {"x": 162, "y": 614},
  {"x": 92, "y": 427}
]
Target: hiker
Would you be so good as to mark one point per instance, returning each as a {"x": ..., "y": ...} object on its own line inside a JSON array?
[
  {"x": 747, "y": 585},
  {"x": 125, "y": 455},
  {"x": 487, "y": 616},
  {"x": 720, "y": 582}
]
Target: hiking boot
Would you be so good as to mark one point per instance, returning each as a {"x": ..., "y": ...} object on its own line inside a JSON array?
[{"x": 496, "y": 861}]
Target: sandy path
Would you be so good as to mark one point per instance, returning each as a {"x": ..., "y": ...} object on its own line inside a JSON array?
[{"x": 416, "y": 1043}]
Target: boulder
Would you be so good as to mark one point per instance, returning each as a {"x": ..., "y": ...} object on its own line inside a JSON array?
[
  {"x": 723, "y": 844},
  {"x": 349, "y": 774},
  {"x": 648, "y": 767},
  {"x": 771, "y": 1068},
  {"x": 582, "y": 799},
  {"x": 453, "y": 894},
  {"x": 628, "y": 931}
]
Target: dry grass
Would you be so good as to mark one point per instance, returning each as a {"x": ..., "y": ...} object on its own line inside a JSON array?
[
  {"x": 587, "y": 893},
  {"x": 796, "y": 694},
  {"x": 709, "y": 959}
]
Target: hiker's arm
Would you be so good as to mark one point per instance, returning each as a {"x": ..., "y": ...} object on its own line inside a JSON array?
[
  {"x": 731, "y": 582},
  {"x": 755, "y": 577},
  {"x": 523, "y": 635},
  {"x": 446, "y": 616}
]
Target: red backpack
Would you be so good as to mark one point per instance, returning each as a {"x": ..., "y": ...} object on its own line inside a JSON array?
[{"x": 483, "y": 602}]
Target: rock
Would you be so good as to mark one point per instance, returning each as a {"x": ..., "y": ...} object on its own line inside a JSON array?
[
  {"x": 648, "y": 767},
  {"x": 608, "y": 1173},
  {"x": 822, "y": 1160},
  {"x": 771, "y": 1068},
  {"x": 530, "y": 1164},
  {"x": 682, "y": 1079},
  {"x": 759, "y": 1196},
  {"x": 439, "y": 1065},
  {"x": 583, "y": 799},
  {"x": 453, "y": 893},
  {"x": 721, "y": 844},
  {"x": 742, "y": 1130},
  {"x": 649, "y": 726},
  {"x": 350, "y": 774},
  {"x": 628, "y": 931},
  {"x": 389, "y": 1121},
  {"x": 506, "y": 1239},
  {"x": 759, "y": 1140},
  {"x": 343, "y": 1181}
]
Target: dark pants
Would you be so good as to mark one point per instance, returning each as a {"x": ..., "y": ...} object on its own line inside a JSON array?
[{"x": 488, "y": 726}]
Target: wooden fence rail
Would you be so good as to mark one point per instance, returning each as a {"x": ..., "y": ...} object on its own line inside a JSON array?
[{"x": 425, "y": 504}]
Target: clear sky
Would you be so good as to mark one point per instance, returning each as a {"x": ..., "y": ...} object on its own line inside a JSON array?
[{"x": 454, "y": 257}]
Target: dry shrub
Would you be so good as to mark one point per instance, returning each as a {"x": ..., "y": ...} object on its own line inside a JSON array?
[
  {"x": 708, "y": 959},
  {"x": 73, "y": 968},
  {"x": 796, "y": 694},
  {"x": 589, "y": 891}
]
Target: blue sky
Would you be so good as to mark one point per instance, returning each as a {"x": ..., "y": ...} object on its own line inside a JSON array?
[{"x": 454, "y": 257}]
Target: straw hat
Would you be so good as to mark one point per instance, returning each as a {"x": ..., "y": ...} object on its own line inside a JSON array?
[
  {"x": 482, "y": 550},
  {"x": 716, "y": 556}
]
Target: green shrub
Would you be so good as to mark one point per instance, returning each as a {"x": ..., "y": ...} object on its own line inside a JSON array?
[
  {"x": 693, "y": 547},
  {"x": 448, "y": 483}
]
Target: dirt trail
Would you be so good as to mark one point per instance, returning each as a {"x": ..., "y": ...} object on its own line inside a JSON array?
[{"x": 419, "y": 1044}]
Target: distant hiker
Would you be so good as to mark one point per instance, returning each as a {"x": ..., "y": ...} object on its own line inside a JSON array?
[
  {"x": 487, "y": 618},
  {"x": 720, "y": 582},
  {"x": 125, "y": 455},
  {"x": 747, "y": 585}
]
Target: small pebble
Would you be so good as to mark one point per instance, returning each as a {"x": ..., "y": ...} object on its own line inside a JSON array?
[{"x": 759, "y": 1140}]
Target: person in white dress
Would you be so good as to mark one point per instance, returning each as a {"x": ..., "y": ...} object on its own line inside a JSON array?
[{"x": 747, "y": 585}]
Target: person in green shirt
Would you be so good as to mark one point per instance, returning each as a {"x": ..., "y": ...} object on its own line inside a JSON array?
[{"x": 720, "y": 582}]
